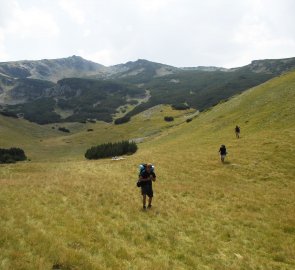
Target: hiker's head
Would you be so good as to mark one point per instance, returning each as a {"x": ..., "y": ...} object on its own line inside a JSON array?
[{"x": 148, "y": 167}]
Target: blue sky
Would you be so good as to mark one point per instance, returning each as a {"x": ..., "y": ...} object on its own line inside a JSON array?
[{"x": 225, "y": 33}]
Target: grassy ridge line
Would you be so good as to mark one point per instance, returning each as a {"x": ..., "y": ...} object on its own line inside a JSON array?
[{"x": 85, "y": 214}]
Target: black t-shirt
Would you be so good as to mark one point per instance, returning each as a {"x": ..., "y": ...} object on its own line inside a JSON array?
[
  {"x": 222, "y": 150},
  {"x": 144, "y": 174}
]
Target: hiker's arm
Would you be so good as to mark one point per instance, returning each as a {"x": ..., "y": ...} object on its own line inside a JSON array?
[
  {"x": 153, "y": 177},
  {"x": 143, "y": 179}
]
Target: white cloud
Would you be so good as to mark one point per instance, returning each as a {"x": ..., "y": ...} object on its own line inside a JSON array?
[
  {"x": 176, "y": 32},
  {"x": 28, "y": 22},
  {"x": 87, "y": 33},
  {"x": 25, "y": 31},
  {"x": 33, "y": 22},
  {"x": 153, "y": 5},
  {"x": 104, "y": 57},
  {"x": 73, "y": 9},
  {"x": 3, "y": 52},
  {"x": 266, "y": 30}
]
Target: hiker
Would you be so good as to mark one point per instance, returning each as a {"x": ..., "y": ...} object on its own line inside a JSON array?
[
  {"x": 237, "y": 130},
  {"x": 146, "y": 176},
  {"x": 222, "y": 151}
]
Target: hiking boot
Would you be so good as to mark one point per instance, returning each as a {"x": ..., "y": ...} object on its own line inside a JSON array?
[{"x": 149, "y": 206}]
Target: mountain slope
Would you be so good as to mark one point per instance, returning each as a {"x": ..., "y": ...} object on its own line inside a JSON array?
[
  {"x": 79, "y": 99},
  {"x": 205, "y": 215},
  {"x": 19, "y": 91},
  {"x": 140, "y": 71},
  {"x": 238, "y": 215},
  {"x": 271, "y": 66},
  {"x": 51, "y": 69}
]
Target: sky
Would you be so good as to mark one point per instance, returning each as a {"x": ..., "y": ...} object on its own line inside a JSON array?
[{"x": 181, "y": 33}]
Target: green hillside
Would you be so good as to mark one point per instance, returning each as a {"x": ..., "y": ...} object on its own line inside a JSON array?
[
  {"x": 46, "y": 142},
  {"x": 72, "y": 213},
  {"x": 200, "y": 89}
]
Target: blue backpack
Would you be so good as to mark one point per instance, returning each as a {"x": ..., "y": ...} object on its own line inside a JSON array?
[{"x": 142, "y": 168}]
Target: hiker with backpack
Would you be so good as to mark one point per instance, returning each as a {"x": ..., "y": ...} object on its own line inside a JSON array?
[
  {"x": 223, "y": 152},
  {"x": 237, "y": 130},
  {"x": 146, "y": 177}
]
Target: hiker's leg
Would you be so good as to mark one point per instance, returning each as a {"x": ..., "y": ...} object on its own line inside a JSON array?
[
  {"x": 150, "y": 201},
  {"x": 150, "y": 195},
  {"x": 144, "y": 200}
]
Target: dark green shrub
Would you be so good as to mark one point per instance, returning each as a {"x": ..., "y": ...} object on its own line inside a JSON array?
[
  {"x": 91, "y": 121},
  {"x": 111, "y": 149},
  {"x": 63, "y": 129},
  {"x": 133, "y": 102},
  {"x": 122, "y": 120},
  {"x": 12, "y": 155},
  {"x": 169, "y": 118},
  {"x": 9, "y": 114},
  {"x": 181, "y": 106}
]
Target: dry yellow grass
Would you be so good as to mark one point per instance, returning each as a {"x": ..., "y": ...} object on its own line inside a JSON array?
[{"x": 80, "y": 214}]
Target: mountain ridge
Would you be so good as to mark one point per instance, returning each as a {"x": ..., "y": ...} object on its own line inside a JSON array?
[
  {"x": 200, "y": 87},
  {"x": 50, "y": 69},
  {"x": 76, "y": 66}
]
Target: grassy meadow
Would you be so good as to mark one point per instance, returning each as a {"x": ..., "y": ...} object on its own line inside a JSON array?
[
  {"x": 46, "y": 142},
  {"x": 60, "y": 211}
]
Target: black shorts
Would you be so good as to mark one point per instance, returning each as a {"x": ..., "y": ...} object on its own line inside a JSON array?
[{"x": 147, "y": 189}]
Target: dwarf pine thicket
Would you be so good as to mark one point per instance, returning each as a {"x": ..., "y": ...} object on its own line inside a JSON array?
[
  {"x": 111, "y": 149},
  {"x": 12, "y": 155}
]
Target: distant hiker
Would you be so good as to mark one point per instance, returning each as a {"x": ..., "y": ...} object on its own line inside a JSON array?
[
  {"x": 222, "y": 151},
  {"x": 146, "y": 176},
  {"x": 237, "y": 130}
]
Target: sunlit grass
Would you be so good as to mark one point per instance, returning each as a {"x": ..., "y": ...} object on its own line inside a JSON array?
[{"x": 80, "y": 214}]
